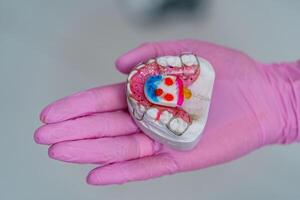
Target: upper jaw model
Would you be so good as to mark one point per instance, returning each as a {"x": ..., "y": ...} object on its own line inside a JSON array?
[{"x": 169, "y": 98}]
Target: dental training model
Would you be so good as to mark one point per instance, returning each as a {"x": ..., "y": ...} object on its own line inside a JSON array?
[{"x": 169, "y": 98}]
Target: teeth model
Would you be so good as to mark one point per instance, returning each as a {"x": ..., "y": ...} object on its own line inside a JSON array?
[{"x": 169, "y": 98}]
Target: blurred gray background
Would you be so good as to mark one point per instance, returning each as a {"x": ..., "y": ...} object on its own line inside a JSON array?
[{"x": 49, "y": 49}]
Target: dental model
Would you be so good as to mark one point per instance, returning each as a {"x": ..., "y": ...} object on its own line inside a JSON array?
[{"x": 169, "y": 98}]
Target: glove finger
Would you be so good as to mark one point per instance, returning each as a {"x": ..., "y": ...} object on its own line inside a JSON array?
[
  {"x": 104, "y": 150},
  {"x": 93, "y": 126},
  {"x": 133, "y": 170},
  {"x": 100, "y": 99}
]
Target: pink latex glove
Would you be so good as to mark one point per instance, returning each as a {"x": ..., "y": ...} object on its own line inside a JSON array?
[{"x": 253, "y": 105}]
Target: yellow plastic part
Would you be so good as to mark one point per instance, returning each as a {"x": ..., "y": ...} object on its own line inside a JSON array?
[{"x": 187, "y": 93}]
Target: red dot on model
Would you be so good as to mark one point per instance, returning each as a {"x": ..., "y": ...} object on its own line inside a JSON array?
[
  {"x": 158, "y": 92},
  {"x": 168, "y": 81},
  {"x": 169, "y": 97}
]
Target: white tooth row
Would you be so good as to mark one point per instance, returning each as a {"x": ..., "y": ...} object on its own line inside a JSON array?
[
  {"x": 178, "y": 61},
  {"x": 175, "y": 125},
  {"x": 174, "y": 61}
]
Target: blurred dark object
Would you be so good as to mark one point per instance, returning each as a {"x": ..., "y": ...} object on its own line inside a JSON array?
[{"x": 145, "y": 11}]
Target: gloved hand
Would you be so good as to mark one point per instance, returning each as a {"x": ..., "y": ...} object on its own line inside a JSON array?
[{"x": 253, "y": 105}]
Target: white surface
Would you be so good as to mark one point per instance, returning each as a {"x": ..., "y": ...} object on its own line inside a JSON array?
[{"x": 52, "y": 48}]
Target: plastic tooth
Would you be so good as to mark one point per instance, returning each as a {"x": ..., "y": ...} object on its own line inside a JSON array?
[
  {"x": 162, "y": 61},
  {"x": 197, "y": 60},
  {"x": 133, "y": 104},
  {"x": 139, "y": 113},
  {"x": 137, "y": 116},
  {"x": 189, "y": 60},
  {"x": 173, "y": 61},
  {"x": 138, "y": 110},
  {"x": 132, "y": 73},
  {"x": 142, "y": 109},
  {"x": 177, "y": 126},
  {"x": 165, "y": 117},
  {"x": 139, "y": 66},
  {"x": 128, "y": 88},
  {"x": 151, "y": 61},
  {"x": 152, "y": 113}
]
